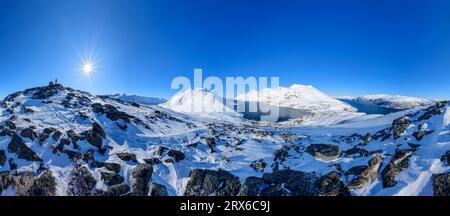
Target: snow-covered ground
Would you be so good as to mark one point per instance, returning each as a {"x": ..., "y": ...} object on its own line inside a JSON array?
[
  {"x": 138, "y": 99},
  {"x": 58, "y": 130},
  {"x": 391, "y": 101}
]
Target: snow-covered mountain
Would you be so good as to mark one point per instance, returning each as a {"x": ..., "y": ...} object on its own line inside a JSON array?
[
  {"x": 202, "y": 102},
  {"x": 138, "y": 99},
  {"x": 56, "y": 140},
  {"x": 298, "y": 97},
  {"x": 392, "y": 101}
]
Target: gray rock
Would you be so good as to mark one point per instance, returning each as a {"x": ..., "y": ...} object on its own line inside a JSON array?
[
  {"x": 400, "y": 125},
  {"x": 441, "y": 184},
  {"x": 111, "y": 179},
  {"x": 140, "y": 176},
  {"x": 368, "y": 175},
  {"x": 398, "y": 163},
  {"x": 118, "y": 190},
  {"x": 324, "y": 152},
  {"x": 331, "y": 185},
  {"x": 251, "y": 187},
  {"x": 22, "y": 150},
  {"x": 289, "y": 183},
  {"x": 112, "y": 167},
  {"x": 157, "y": 190},
  {"x": 212, "y": 182},
  {"x": 125, "y": 156},
  {"x": 45, "y": 185},
  {"x": 82, "y": 182}
]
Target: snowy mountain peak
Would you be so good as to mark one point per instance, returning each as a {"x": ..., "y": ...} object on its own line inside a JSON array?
[
  {"x": 393, "y": 101},
  {"x": 138, "y": 99}
]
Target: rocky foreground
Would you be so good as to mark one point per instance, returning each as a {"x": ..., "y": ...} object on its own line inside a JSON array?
[{"x": 56, "y": 140}]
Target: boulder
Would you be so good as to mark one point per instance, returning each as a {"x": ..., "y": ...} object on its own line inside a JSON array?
[
  {"x": 331, "y": 185},
  {"x": 111, "y": 179},
  {"x": 22, "y": 183},
  {"x": 368, "y": 175},
  {"x": 82, "y": 182},
  {"x": 441, "y": 184},
  {"x": 251, "y": 187},
  {"x": 22, "y": 150},
  {"x": 29, "y": 133},
  {"x": 211, "y": 182},
  {"x": 125, "y": 156},
  {"x": 398, "y": 163},
  {"x": 118, "y": 190},
  {"x": 177, "y": 155},
  {"x": 141, "y": 174},
  {"x": 355, "y": 150},
  {"x": 45, "y": 185},
  {"x": 446, "y": 158},
  {"x": 289, "y": 183},
  {"x": 258, "y": 165},
  {"x": 324, "y": 152},
  {"x": 3, "y": 158},
  {"x": 157, "y": 190},
  {"x": 152, "y": 161},
  {"x": 421, "y": 133},
  {"x": 400, "y": 125},
  {"x": 112, "y": 167},
  {"x": 95, "y": 136}
]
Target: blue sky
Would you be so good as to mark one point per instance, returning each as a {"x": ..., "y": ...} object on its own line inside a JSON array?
[{"x": 342, "y": 47}]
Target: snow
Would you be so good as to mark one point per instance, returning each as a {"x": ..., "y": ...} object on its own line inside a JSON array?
[
  {"x": 393, "y": 101},
  {"x": 138, "y": 99}
]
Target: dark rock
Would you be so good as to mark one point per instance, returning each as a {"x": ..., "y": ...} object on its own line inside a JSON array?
[
  {"x": 177, "y": 155},
  {"x": 384, "y": 134},
  {"x": 325, "y": 152},
  {"x": 23, "y": 183},
  {"x": 125, "y": 156},
  {"x": 446, "y": 158},
  {"x": 45, "y": 185},
  {"x": 10, "y": 124},
  {"x": 281, "y": 154},
  {"x": 331, "y": 185},
  {"x": 357, "y": 170},
  {"x": 73, "y": 155},
  {"x": 441, "y": 184},
  {"x": 152, "y": 161},
  {"x": 118, "y": 190},
  {"x": 161, "y": 150},
  {"x": 206, "y": 182},
  {"x": 258, "y": 165},
  {"x": 157, "y": 190},
  {"x": 289, "y": 183},
  {"x": 368, "y": 175},
  {"x": 251, "y": 187},
  {"x": 400, "y": 125},
  {"x": 95, "y": 136},
  {"x": 72, "y": 135},
  {"x": 12, "y": 165},
  {"x": 111, "y": 179},
  {"x": 21, "y": 149},
  {"x": 112, "y": 167},
  {"x": 3, "y": 158},
  {"x": 399, "y": 161},
  {"x": 29, "y": 133},
  {"x": 140, "y": 176},
  {"x": 433, "y": 110},
  {"x": 56, "y": 135},
  {"x": 356, "y": 150},
  {"x": 82, "y": 182},
  {"x": 420, "y": 134}
]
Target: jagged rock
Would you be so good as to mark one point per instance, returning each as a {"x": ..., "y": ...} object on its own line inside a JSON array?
[
  {"x": 258, "y": 165},
  {"x": 367, "y": 138},
  {"x": 22, "y": 183},
  {"x": 281, "y": 154},
  {"x": 140, "y": 176},
  {"x": 45, "y": 185},
  {"x": 95, "y": 136},
  {"x": 356, "y": 150},
  {"x": 22, "y": 150},
  {"x": 157, "y": 190},
  {"x": 82, "y": 182},
  {"x": 331, "y": 185},
  {"x": 177, "y": 155},
  {"x": 73, "y": 155},
  {"x": 400, "y": 125},
  {"x": 289, "y": 183},
  {"x": 56, "y": 135},
  {"x": 325, "y": 152},
  {"x": 152, "y": 161},
  {"x": 72, "y": 135},
  {"x": 446, "y": 158},
  {"x": 441, "y": 184},
  {"x": 399, "y": 161},
  {"x": 45, "y": 92},
  {"x": 111, "y": 179},
  {"x": 125, "y": 156},
  {"x": 433, "y": 110},
  {"x": 3, "y": 158},
  {"x": 208, "y": 182},
  {"x": 10, "y": 125},
  {"x": 112, "y": 167},
  {"x": 367, "y": 176},
  {"x": 420, "y": 134},
  {"x": 356, "y": 171},
  {"x": 384, "y": 134},
  {"x": 29, "y": 133},
  {"x": 251, "y": 187},
  {"x": 118, "y": 190},
  {"x": 111, "y": 112}
]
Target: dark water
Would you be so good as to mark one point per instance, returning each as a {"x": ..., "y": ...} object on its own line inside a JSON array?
[{"x": 370, "y": 108}]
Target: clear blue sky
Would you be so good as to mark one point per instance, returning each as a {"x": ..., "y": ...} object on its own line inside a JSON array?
[{"x": 341, "y": 47}]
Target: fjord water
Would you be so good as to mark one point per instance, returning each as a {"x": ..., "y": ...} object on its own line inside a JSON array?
[{"x": 369, "y": 108}]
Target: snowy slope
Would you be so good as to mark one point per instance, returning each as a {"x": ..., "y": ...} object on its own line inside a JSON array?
[
  {"x": 60, "y": 141},
  {"x": 204, "y": 103},
  {"x": 393, "y": 101},
  {"x": 138, "y": 99},
  {"x": 298, "y": 97}
]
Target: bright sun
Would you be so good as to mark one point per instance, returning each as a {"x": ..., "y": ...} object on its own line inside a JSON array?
[{"x": 87, "y": 67}]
